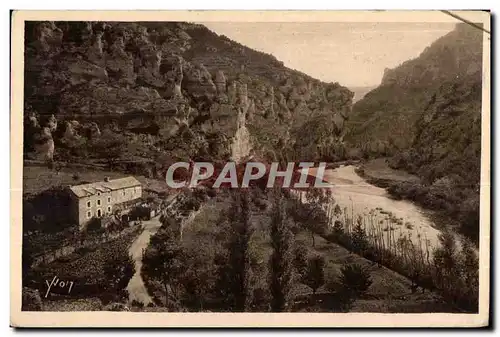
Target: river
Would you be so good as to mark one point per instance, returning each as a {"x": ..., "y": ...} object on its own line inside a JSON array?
[{"x": 356, "y": 196}]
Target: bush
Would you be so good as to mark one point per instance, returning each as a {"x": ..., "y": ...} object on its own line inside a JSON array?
[
  {"x": 315, "y": 276},
  {"x": 354, "y": 280},
  {"x": 338, "y": 228},
  {"x": 138, "y": 304},
  {"x": 359, "y": 238},
  {"x": 300, "y": 260},
  {"x": 94, "y": 225}
]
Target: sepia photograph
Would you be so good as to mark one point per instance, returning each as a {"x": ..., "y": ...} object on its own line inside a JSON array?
[{"x": 296, "y": 168}]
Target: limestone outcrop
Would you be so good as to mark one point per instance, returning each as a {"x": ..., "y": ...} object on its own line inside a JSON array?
[{"x": 144, "y": 76}]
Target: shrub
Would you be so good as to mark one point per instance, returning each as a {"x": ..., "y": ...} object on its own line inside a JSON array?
[
  {"x": 138, "y": 304},
  {"x": 354, "y": 280},
  {"x": 300, "y": 260},
  {"x": 359, "y": 238},
  {"x": 315, "y": 276},
  {"x": 94, "y": 225},
  {"x": 338, "y": 228}
]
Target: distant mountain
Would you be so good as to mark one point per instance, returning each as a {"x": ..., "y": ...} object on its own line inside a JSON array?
[
  {"x": 426, "y": 114},
  {"x": 360, "y": 92},
  {"x": 389, "y": 113}
]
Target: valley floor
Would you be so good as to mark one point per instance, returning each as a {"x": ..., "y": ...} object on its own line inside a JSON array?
[{"x": 378, "y": 170}]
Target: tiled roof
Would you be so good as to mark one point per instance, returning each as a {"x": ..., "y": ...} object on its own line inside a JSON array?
[{"x": 87, "y": 190}]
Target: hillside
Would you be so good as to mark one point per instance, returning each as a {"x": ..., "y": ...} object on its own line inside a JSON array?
[
  {"x": 407, "y": 90},
  {"x": 146, "y": 93},
  {"x": 426, "y": 115}
]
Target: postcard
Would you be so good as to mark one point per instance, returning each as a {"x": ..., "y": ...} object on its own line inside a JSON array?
[{"x": 250, "y": 169}]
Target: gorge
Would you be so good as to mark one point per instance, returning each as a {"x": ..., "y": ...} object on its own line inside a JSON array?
[{"x": 138, "y": 98}]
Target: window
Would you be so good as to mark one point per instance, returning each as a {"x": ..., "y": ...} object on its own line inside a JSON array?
[
  {"x": 89, "y": 214},
  {"x": 98, "y": 202},
  {"x": 88, "y": 204},
  {"x": 109, "y": 199},
  {"x": 123, "y": 192},
  {"x": 99, "y": 213},
  {"x": 109, "y": 209},
  {"x": 98, "y": 193}
]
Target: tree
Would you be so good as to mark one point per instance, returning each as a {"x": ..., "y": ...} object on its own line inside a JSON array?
[
  {"x": 469, "y": 264},
  {"x": 315, "y": 276},
  {"x": 354, "y": 280},
  {"x": 338, "y": 229},
  {"x": 163, "y": 261},
  {"x": 281, "y": 261},
  {"x": 300, "y": 260},
  {"x": 359, "y": 237},
  {"x": 311, "y": 215},
  {"x": 110, "y": 146},
  {"x": 118, "y": 271},
  {"x": 446, "y": 261},
  {"x": 234, "y": 272},
  {"x": 337, "y": 211},
  {"x": 197, "y": 280}
]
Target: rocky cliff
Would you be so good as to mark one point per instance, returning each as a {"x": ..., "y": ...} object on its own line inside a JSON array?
[
  {"x": 167, "y": 87},
  {"x": 426, "y": 115},
  {"x": 389, "y": 114}
]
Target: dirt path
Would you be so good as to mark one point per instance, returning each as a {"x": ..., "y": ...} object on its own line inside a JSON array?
[{"x": 136, "y": 288}]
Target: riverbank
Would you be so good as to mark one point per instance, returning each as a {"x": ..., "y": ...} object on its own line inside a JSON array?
[
  {"x": 450, "y": 206},
  {"x": 378, "y": 173},
  {"x": 356, "y": 197},
  {"x": 398, "y": 235}
]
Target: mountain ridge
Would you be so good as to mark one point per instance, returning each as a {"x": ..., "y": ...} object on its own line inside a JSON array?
[
  {"x": 426, "y": 117},
  {"x": 161, "y": 81}
]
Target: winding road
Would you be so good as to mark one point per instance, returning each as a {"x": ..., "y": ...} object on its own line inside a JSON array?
[{"x": 136, "y": 288}]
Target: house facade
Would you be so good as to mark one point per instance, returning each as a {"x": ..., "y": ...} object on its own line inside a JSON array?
[{"x": 100, "y": 199}]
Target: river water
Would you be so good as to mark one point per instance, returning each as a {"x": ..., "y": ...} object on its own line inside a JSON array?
[{"x": 356, "y": 196}]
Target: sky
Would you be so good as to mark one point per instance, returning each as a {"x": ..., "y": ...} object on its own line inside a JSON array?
[{"x": 353, "y": 54}]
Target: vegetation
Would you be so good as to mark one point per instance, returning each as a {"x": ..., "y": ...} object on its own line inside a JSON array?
[
  {"x": 426, "y": 116},
  {"x": 354, "y": 280},
  {"x": 315, "y": 276},
  {"x": 249, "y": 256},
  {"x": 281, "y": 263},
  {"x": 118, "y": 271},
  {"x": 163, "y": 262},
  {"x": 101, "y": 271},
  {"x": 235, "y": 277},
  {"x": 311, "y": 215},
  {"x": 412, "y": 257}
]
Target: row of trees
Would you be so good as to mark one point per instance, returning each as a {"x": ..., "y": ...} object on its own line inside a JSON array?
[{"x": 231, "y": 283}]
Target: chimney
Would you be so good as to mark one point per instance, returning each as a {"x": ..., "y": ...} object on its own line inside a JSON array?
[{"x": 106, "y": 179}]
